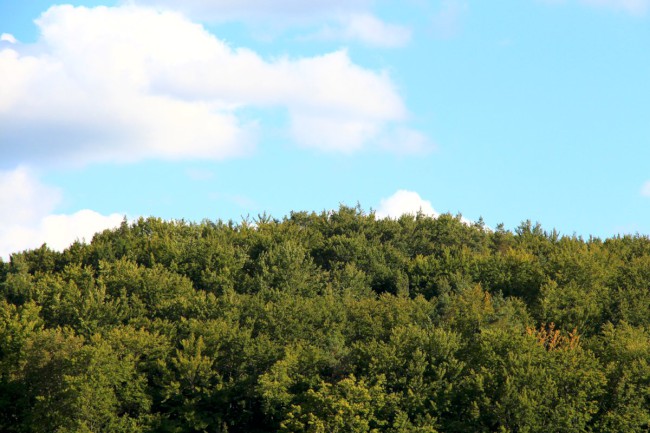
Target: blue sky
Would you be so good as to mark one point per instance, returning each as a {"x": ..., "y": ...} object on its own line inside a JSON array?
[{"x": 507, "y": 110}]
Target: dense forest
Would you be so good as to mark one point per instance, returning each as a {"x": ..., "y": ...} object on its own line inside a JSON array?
[{"x": 327, "y": 322}]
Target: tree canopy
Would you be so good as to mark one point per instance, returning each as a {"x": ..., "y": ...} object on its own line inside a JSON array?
[{"x": 327, "y": 322}]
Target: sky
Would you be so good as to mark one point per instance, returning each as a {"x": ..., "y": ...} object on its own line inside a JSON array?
[{"x": 509, "y": 110}]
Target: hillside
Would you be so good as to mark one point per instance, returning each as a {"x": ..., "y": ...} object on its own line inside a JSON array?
[{"x": 330, "y": 322}]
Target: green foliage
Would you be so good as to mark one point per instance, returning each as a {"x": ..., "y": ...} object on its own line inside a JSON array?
[
  {"x": 350, "y": 405},
  {"x": 625, "y": 353},
  {"x": 330, "y": 322}
]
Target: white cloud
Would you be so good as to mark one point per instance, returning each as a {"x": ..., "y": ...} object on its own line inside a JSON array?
[
  {"x": 367, "y": 29},
  {"x": 645, "y": 189},
  {"x": 344, "y": 20},
  {"x": 8, "y": 37},
  {"x": 23, "y": 200},
  {"x": 26, "y": 219},
  {"x": 163, "y": 87},
  {"x": 404, "y": 202}
]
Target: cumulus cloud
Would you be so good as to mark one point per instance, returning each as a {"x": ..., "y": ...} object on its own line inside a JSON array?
[
  {"x": 23, "y": 199},
  {"x": 128, "y": 83},
  {"x": 8, "y": 37},
  {"x": 645, "y": 189},
  {"x": 344, "y": 20},
  {"x": 404, "y": 202},
  {"x": 27, "y": 221}
]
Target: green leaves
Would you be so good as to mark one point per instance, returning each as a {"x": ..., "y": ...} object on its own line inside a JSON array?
[
  {"x": 330, "y": 322},
  {"x": 350, "y": 405}
]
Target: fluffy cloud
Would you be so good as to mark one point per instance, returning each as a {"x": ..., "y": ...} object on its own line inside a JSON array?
[
  {"x": 127, "y": 83},
  {"x": 26, "y": 219},
  {"x": 344, "y": 20},
  {"x": 295, "y": 10},
  {"x": 24, "y": 200},
  {"x": 8, "y": 37},
  {"x": 403, "y": 203}
]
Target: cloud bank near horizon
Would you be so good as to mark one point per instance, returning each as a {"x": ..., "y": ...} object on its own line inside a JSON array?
[{"x": 27, "y": 220}]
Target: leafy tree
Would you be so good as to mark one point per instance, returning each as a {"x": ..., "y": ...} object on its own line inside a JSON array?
[{"x": 331, "y": 321}]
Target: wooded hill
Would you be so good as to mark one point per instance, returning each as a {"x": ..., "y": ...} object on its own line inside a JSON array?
[{"x": 331, "y": 322}]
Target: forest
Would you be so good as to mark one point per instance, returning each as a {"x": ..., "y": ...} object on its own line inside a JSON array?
[{"x": 327, "y": 322}]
